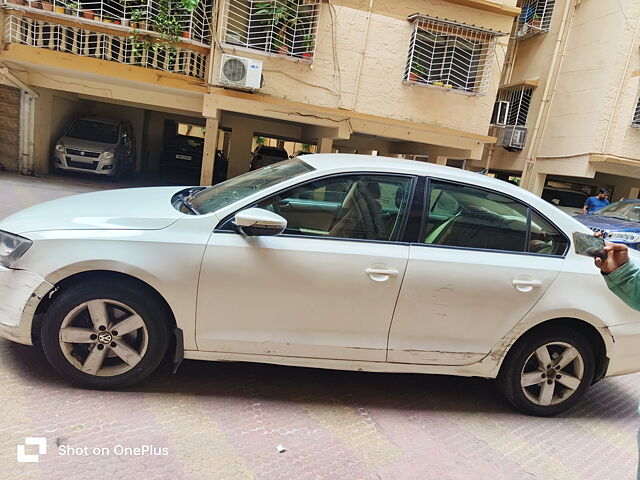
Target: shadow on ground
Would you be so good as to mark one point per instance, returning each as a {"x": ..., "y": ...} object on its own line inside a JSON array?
[{"x": 296, "y": 384}]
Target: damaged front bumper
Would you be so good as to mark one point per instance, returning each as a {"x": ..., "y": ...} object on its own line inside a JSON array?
[{"x": 20, "y": 294}]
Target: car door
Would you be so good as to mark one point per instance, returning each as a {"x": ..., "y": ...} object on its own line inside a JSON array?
[
  {"x": 484, "y": 261},
  {"x": 325, "y": 288}
]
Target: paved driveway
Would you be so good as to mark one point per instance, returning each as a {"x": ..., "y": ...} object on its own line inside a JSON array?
[{"x": 225, "y": 421}]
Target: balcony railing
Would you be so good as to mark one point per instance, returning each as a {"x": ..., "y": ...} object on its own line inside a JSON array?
[
  {"x": 141, "y": 15},
  {"x": 287, "y": 28},
  {"x": 112, "y": 44},
  {"x": 534, "y": 18}
]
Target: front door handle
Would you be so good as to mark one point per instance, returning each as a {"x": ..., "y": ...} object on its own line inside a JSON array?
[
  {"x": 526, "y": 285},
  {"x": 381, "y": 274}
]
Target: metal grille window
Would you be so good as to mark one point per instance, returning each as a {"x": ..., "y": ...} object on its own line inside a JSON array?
[
  {"x": 512, "y": 106},
  {"x": 450, "y": 55},
  {"x": 636, "y": 115},
  {"x": 535, "y": 17},
  {"x": 282, "y": 27}
]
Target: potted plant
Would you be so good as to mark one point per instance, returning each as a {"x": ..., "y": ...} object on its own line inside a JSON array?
[
  {"x": 35, "y": 4},
  {"x": 46, "y": 5},
  {"x": 72, "y": 8},
  {"x": 59, "y": 7},
  {"x": 88, "y": 14},
  {"x": 186, "y": 34},
  {"x": 17, "y": 2},
  {"x": 418, "y": 73}
]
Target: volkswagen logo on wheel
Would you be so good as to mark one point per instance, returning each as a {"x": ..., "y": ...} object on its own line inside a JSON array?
[{"x": 105, "y": 337}]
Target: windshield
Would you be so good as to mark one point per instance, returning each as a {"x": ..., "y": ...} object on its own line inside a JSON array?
[
  {"x": 225, "y": 193},
  {"x": 629, "y": 211},
  {"x": 94, "y": 131}
]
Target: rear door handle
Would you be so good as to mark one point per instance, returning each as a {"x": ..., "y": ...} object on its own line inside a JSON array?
[
  {"x": 526, "y": 285},
  {"x": 381, "y": 274}
]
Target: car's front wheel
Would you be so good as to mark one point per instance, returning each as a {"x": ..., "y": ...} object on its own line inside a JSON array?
[
  {"x": 105, "y": 334},
  {"x": 548, "y": 371}
]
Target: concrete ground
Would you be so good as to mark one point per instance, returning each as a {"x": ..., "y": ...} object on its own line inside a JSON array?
[{"x": 225, "y": 421}]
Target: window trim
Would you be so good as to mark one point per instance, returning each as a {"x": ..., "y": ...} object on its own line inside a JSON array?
[
  {"x": 530, "y": 212},
  {"x": 414, "y": 179}
]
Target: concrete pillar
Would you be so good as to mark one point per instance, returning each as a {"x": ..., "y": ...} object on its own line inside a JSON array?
[
  {"x": 209, "y": 153},
  {"x": 325, "y": 145},
  {"x": 537, "y": 183},
  {"x": 441, "y": 160},
  {"x": 240, "y": 148}
]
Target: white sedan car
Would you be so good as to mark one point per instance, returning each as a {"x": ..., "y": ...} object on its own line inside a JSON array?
[{"x": 333, "y": 261}]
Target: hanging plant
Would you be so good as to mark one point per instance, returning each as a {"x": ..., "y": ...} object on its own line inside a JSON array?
[{"x": 165, "y": 24}]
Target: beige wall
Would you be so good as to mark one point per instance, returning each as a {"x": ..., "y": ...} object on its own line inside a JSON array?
[
  {"x": 584, "y": 103},
  {"x": 380, "y": 91}
]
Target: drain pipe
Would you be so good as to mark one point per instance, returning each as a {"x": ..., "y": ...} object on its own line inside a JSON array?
[
  {"x": 548, "y": 93},
  {"x": 27, "y": 121},
  {"x": 362, "y": 54}
]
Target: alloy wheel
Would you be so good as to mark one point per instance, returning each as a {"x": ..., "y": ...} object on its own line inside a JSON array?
[{"x": 552, "y": 373}]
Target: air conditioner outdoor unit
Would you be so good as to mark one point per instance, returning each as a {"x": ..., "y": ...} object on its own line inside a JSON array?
[
  {"x": 512, "y": 138},
  {"x": 240, "y": 72}
]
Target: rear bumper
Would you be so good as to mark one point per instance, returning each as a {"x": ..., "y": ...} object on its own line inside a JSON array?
[
  {"x": 625, "y": 352},
  {"x": 20, "y": 294}
]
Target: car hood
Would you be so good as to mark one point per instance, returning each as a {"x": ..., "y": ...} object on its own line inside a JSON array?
[
  {"x": 608, "y": 223},
  {"x": 123, "y": 209},
  {"x": 81, "y": 144}
]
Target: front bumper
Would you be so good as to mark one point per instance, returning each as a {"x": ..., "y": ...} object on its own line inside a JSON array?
[
  {"x": 20, "y": 294},
  {"x": 76, "y": 163},
  {"x": 625, "y": 354}
]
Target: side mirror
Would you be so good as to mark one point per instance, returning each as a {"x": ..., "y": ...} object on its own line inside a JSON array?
[{"x": 257, "y": 221}]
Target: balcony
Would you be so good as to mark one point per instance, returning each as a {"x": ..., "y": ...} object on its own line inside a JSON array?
[
  {"x": 284, "y": 28},
  {"x": 535, "y": 18},
  {"x": 152, "y": 34}
]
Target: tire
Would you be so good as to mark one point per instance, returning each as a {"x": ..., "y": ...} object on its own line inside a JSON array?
[
  {"x": 80, "y": 335},
  {"x": 555, "y": 386}
]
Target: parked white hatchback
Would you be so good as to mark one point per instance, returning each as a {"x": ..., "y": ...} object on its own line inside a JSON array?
[{"x": 333, "y": 261}]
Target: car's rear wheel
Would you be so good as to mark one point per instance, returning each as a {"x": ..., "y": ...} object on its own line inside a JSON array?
[
  {"x": 548, "y": 371},
  {"x": 105, "y": 335}
]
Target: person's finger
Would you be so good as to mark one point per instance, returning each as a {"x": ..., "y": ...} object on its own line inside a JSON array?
[
  {"x": 618, "y": 247},
  {"x": 598, "y": 262}
]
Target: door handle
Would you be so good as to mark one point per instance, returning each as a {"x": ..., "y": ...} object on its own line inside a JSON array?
[
  {"x": 526, "y": 285},
  {"x": 381, "y": 274}
]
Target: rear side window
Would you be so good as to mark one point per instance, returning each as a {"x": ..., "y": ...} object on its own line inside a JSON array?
[{"x": 470, "y": 217}]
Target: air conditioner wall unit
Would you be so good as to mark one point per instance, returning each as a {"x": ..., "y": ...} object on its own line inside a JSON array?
[
  {"x": 240, "y": 72},
  {"x": 512, "y": 137}
]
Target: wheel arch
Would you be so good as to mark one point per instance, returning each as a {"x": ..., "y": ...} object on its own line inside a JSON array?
[
  {"x": 84, "y": 276},
  {"x": 588, "y": 330}
]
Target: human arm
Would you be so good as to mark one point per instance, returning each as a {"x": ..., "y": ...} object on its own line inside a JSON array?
[{"x": 621, "y": 276}]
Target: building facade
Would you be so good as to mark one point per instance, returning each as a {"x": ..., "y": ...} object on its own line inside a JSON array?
[
  {"x": 413, "y": 78},
  {"x": 567, "y": 113}
]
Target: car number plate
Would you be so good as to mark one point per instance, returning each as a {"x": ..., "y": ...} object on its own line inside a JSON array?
[{"x": 183, "y": 157}]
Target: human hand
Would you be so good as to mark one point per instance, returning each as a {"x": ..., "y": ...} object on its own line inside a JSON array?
[{"x": 617, "y": 255}]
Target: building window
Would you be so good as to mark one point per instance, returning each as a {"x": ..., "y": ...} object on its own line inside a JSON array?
[
  {"x": 450, "y": 55},
  {"x": 512, "y": 106},
  {"x": 535, "y": 17},
  {"x": 636, "y": 115},
  {"x": 283, "y": 27}
]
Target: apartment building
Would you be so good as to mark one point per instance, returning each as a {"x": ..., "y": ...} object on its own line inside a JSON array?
[
  {"x": 567, "y": 113},
  {"x": 415, "y": 78}
]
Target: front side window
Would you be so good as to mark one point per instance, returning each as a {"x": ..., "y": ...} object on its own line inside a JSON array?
[
  {"x": 450, "y": 55},
  {"x": 283, "y": 27},
  {"x": 363, "y": 207}
]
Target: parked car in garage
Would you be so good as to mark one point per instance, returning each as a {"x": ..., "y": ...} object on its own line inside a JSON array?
[
  {"x": 182, "y": 157},
  {"x": 619, "y": 222},
  {"x": 569, "y": 201},
  {"x": 346, "y": 262},
  {"x": 264, "y": 156},
  {"x": 96, "y": 145}
]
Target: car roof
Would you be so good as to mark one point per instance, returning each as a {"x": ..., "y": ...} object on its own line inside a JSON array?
[
  {"x": 355, "y": 162},
  {"x": 103, "y": 120}
]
